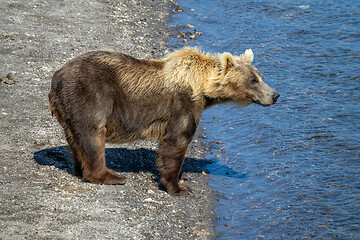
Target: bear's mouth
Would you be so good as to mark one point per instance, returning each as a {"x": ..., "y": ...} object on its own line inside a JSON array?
[{"x": 258, "y": 102}]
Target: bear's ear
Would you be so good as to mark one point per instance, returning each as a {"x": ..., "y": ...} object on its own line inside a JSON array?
[
  {"x": 227, "y": 61},
  {"x": 248, "y": 56}
]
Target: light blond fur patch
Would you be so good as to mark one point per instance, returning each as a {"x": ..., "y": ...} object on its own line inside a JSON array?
[{"x": 188, "y": 68}]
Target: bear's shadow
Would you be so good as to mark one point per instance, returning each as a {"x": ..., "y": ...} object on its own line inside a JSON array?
[{"x": 118, "y": 159}]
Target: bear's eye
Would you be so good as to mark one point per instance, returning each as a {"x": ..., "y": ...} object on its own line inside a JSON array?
[{"x": 254, "y": 80}]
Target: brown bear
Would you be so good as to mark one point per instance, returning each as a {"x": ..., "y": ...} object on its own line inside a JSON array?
[{"x": 105, "y": 96}]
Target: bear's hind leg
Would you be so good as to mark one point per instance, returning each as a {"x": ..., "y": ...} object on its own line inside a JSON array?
[
  {"x": 77, "y": 167},
  {"x": 91, "y": 155}
]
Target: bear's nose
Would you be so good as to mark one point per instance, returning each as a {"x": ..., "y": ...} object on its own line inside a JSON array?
[{"x": 275, "y": 97}]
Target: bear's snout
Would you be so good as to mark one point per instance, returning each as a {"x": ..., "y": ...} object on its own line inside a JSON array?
[
  {"x": 275, "y": 97},
  {"x": 265, "y": 95}
]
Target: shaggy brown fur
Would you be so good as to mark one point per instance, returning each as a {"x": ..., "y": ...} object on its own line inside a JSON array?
[{"x": 105, "y": 96}]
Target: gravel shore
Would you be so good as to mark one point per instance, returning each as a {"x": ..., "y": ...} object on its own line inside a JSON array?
[{"x": 40, "y": 198}]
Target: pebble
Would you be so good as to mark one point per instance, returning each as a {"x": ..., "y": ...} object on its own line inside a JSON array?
[{"x": 8, "y": 79}]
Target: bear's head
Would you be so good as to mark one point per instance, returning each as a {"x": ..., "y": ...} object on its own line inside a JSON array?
[{"x": 236, "y": 80}]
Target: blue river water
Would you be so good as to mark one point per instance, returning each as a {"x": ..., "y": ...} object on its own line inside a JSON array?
[{"x": 291, "y": 170}]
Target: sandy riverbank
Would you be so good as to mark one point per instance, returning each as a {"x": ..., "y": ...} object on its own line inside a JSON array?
[{"x": 40, "y": 197}]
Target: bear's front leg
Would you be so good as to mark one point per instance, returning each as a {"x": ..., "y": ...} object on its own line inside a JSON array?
[
  {"x": 173, "y": 145},
  {"x": 185, "y": 115},
  {"x": 170, "y": 160}
]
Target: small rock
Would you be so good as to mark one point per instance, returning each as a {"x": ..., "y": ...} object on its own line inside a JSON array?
[
  {"x": 175, "y": 4},
  {"x": 185, "y": 177},
  {"x": 8, "y": 79}
]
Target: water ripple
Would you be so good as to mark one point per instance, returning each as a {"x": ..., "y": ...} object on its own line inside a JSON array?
[{"x": 289, "y": 171}]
